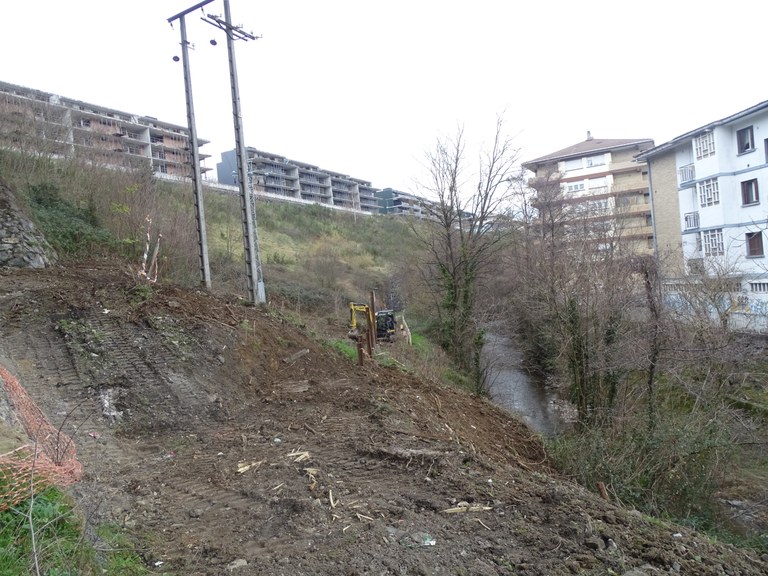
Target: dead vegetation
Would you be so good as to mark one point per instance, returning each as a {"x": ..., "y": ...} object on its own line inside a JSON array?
[{"x": 225, "y": 456}]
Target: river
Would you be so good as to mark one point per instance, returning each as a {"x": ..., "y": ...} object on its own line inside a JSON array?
[{"x": 511, "y": 387}]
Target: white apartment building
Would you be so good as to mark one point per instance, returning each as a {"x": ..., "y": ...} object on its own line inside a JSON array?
[{"x": 710, "y": 217}]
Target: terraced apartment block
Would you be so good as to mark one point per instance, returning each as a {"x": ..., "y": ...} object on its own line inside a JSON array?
[{"x": 33, "y": 120}]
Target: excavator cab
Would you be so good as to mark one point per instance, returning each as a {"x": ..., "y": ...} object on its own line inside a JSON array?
[{"x": 385, "y": 325}]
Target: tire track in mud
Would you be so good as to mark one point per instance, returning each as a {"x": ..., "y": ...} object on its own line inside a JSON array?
[
  {"x": 45, "y": 362},
  {"x": 44, "y": 353},
  {"x": 193, "y": 494},
  {"x": 147, "y": 363}
]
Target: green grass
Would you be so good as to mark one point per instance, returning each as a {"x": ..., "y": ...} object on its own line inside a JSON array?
[
  {"x": 72, "y": 230},
  {"x": 59, "y": 546},
  {"x": 118, "y": 553},
  {"x": 346, "y": 347}
]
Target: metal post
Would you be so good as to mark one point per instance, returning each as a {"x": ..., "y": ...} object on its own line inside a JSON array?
[
  {"x": 247, "y": 196},
  {"x": 205, "y": 271}
]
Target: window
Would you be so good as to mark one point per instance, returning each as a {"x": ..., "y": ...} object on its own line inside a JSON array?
[
  {"x": 745, "y": 140},
  {"x": 709, "y": 192},
  {"x": 754, "y": 244},
  {"x": 595, "y": 160},
  {"x": 597, "y": 185},
  {"x": 749, "y": 193},
  {"x": 713, "y": 242},
  {"x": 574, "y": 164},
  {"x": 575, "y": 186},
  {"x": 758, "y": 286},
  {"x": 704, "y": 145}
]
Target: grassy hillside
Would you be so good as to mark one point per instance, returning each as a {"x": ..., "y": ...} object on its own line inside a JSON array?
[{"x": 313, "y": 257}]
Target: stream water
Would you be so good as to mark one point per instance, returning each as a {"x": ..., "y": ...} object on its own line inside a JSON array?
[{"x": 511, "y": 387}]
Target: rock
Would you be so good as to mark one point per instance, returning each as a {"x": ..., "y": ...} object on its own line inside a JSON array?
[
  {"x": 595, "y": 543},
  {"x": 21, "y": 244},
  {"x": 235, "y": 564}
]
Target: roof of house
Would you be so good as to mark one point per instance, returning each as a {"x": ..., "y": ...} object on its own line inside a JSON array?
[
  {"x": 588, "y": 146},
  {"x": 707, "y": 127}
]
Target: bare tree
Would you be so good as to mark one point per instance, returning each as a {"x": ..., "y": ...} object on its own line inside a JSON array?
[
  {"x": 463, "y": 236},
  {"x": 574, "y": 296}
]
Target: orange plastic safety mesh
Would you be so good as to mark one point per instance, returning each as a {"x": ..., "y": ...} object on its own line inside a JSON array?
[{"x": 49, "y": 460}]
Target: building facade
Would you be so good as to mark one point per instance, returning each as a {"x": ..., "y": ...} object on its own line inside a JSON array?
[
  {"x": 710, "y": 219},
  {"x": 48, "y": 123},
  {"x": 403, "y": 204},
  {"x": 598, "y": 189},
  {"x": 284, "y": 179}
]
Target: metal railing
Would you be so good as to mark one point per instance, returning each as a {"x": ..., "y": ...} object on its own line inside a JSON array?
[{"x": 686, "y": 174}]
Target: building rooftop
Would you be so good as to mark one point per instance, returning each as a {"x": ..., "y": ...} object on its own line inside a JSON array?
[
  {"x": 707, "y": 127},
  {"x": 589, "y": 146}
]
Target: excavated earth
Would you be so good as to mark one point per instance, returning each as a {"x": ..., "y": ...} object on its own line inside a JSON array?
[{"x": 226, "y": 440}]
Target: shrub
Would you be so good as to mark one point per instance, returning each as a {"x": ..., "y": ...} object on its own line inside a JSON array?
[
  {"x": 670, "y": 471},
  {"x": 70, "y": 229}
]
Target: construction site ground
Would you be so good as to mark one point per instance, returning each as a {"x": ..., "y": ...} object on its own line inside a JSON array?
[{"x": 224, "y": 439}]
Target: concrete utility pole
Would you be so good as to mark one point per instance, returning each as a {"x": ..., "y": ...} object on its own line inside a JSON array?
[
  {"x": 205, "y": 270},
  {"x": 247, "y": 194}
]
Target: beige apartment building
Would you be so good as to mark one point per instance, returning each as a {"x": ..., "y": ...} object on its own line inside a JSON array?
[
  {"x": 599, "y": 190},
  {"x": 46, "y": 123}
]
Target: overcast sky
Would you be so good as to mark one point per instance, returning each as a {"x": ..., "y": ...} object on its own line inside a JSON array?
[{"x": 365, "y": 88}]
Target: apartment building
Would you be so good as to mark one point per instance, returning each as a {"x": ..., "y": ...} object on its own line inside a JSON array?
[
  {"x": 283, "y": 179},
  {"x": 401, "y": 203},
  {"x": 59, "y": 126},
  {"x": 599, "y": 190},
  {"x": 709, "y": 216}
]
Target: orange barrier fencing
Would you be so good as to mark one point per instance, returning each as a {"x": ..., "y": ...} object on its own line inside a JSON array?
[{"x": 49, "y": 460}]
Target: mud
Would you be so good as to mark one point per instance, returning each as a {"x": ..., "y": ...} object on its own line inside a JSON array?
[{"x": 220, "y": 450}]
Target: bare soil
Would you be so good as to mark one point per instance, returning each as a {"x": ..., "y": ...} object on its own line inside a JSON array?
[{"x": 225, "y": 439}]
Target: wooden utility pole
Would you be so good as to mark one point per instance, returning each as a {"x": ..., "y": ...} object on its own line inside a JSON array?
[{"x": 372, "y": 324}]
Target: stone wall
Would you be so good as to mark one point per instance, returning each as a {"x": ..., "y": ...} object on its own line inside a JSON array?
[{"x": 22, "y": 245}]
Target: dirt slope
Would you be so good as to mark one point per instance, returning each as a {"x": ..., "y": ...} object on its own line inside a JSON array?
[{"x": 228, "y": 441}]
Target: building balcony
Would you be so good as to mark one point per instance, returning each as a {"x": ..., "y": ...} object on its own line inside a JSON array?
[
  {"x": 625, "y": 166},
  {"x": 690, "y": 220},
  {"x": 686, "y": 174},
  {"x": 544, "y": 182}
]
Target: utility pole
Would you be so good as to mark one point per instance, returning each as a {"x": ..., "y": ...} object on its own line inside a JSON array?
[
  {"x": 247, "y": 195},
  {"x": 202, "y": 240}
]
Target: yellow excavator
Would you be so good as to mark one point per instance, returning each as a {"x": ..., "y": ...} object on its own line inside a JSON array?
[{"x": 384, "y": 320}]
